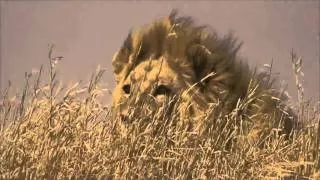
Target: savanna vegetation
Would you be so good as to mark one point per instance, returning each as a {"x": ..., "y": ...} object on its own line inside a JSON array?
[{"x": 50, "y": 131}]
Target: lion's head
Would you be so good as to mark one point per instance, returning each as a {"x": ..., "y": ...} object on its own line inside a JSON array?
[{"x": 172, "y": 55}]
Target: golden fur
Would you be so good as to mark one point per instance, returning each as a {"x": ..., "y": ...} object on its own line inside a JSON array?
[{"x": 172, "y": 55}]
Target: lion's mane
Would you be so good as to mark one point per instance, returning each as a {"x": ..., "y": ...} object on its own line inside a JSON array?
[{"x": 209, "y": 65}]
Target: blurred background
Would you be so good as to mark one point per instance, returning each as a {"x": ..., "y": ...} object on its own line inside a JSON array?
[{"x": 87, "y": 34}]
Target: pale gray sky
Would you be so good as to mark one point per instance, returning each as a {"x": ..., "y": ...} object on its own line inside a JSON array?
[{"x": 88, "y": 33}]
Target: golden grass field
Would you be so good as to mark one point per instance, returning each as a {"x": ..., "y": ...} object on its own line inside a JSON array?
[{"x": 50, "y": 131}]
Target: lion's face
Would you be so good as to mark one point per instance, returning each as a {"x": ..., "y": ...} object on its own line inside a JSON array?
[{"x": 151, "y": 80}]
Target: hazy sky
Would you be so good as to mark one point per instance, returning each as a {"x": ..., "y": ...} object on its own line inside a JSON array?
[{"x": 88, "y": 33}]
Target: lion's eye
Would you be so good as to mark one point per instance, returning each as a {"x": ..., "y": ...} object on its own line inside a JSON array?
[
  {"x": 162, "y": 90},
  {"x": 126, "y": 88}
]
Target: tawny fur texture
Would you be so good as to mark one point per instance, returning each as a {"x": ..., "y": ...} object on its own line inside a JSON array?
[{"x": 172, "y": 56}]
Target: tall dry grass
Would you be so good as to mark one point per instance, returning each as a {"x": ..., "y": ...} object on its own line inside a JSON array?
[{"x": 52, "y": 132}]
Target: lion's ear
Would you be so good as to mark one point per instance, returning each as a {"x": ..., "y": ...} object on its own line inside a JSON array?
[{"x": 121, "y": 57}]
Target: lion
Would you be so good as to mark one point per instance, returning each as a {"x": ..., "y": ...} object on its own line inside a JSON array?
[{"x": 174, "y": 57}]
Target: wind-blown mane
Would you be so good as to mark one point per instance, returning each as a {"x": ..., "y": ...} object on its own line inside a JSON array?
[
  {"x": 209, "y": 67},
  {"x": 193, "y": 51}
]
